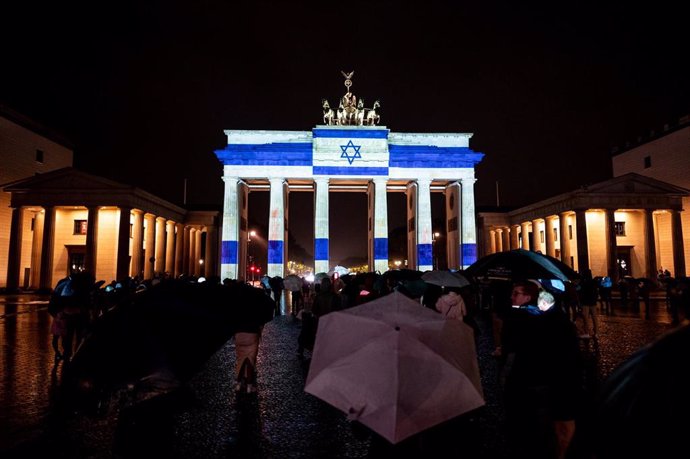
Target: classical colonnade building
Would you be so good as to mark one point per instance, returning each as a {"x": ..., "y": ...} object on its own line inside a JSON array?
[
  {"x": 67, "y": 220},
  {"x": 628, "y": 225},
  {"x": 342, "y": 157}
]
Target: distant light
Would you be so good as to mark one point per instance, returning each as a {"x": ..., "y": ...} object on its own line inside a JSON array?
[
  {"x": 309, "y": 277},
  {"x": 252, "y": 233},
  {"x": 201, "y": 262},
  {"x": 201, "y": 279}
]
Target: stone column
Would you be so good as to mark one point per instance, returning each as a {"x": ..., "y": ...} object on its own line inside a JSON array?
[
  {"x": 39, "y": 217},
  {"x": 506, "y": 239},
  {"x": 499, "y": 239},
  {"x": 150, "y": 242},
  {"x": 170, "y": 247},
  {"x": 91, "y": 255},
  {"x": 514, "y": 243},
  {"x": 650, "y": 244},
  {"x": 15, "y": 250},
  {"x": 611, "y": 246},
  {"x": 211, "y": 255},
  {"x": 159, "y": 265},
  {"x": 231, "y": 228},
  {"x": 564, "y": 236},
  {"x": 179, "y": 249},
  {"x": 678, "y": 246},
  {"x": 197, "y": 253},
  {"x": 469, "y": 227},
  {"x": 424, "y": 232},
  {"x": 524, "y": 235},
  {"x": 276, "y": 229},
  {"x": 535, "y": 246},
  {"x": 138, "y": 244},
  {"x": 380, "y": 229},
  {"x": 582, "y": 241},
  {"x": 185, "y": 250},
  {"x": 492, "y": 241},
  {"x": 549, "y": 237},
  {"x": 47, "y": 248},
  {"x": 191, "y": 254},
  {"x": 321, "y": 225},
  {"x": 122, "y": 270}
]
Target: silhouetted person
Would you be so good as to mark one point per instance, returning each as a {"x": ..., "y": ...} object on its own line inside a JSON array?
[
  {"x": 541, "y": 372},
  {"x": 276, "y": 284}
]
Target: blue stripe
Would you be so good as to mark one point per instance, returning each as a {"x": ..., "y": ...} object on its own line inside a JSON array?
[
  {"x": 469, "y": 254},
  {"x": 275, "y": 252},
  {"x": 270, "y": 154},
  {"x": 333, "y": 170},
  {"x": 228, "y": 252},
  {"x": 409, "y": 156},
  {"x": 381, "y": 248},
  {"x": 351, "y": 133},
  {"x": 424, "y": 254},
  {"x": 321, "y": 249}
]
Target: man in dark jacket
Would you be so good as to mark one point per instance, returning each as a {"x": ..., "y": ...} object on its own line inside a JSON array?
[{"x": 541, "y": 374}]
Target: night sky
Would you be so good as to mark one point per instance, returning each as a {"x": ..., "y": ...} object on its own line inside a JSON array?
[{"x": 547, "y": 89}]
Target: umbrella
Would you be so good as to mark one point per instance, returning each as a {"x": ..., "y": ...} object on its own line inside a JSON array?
[
  {"x": 639, "y": 409},
  {"x": 293, "y": 283},
  {"x": 401, "y": 275},
  {"x": 521, "y": 264},
  {"x": 396, "y": 367},
  {"x": 319, "y": 276},
  {"x": 168, "y": 331},
  {"x": 341, "y": 270},
  {"x": 445, "y": 279}
]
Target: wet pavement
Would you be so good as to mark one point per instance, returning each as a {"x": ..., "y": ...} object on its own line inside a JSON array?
[{"x": 205, "y": 419}]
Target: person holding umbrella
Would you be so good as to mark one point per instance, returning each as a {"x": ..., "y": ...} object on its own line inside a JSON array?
[{"x": 540, "y": 373}]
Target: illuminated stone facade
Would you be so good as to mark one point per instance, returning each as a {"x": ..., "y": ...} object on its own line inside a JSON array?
[
  {"x": 362, "y": 158},
  {"x": 67, "y": 220},
  {"x": 628, "y": 225}
]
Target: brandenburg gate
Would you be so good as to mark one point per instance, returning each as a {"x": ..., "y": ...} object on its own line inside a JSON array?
[{"x": 349, "y": 152}]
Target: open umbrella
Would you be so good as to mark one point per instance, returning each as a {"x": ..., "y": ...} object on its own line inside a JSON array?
[
  {"x": 639, "y": 409},
  {"x": 164, "y": 335},
  {"x": 395, "y": 366},
  {"x": 319, "y": 276},
  {"x": 521, "y": 264},
  {"x": 293, "y": 283},
  {"x": 445, "y": 279}
]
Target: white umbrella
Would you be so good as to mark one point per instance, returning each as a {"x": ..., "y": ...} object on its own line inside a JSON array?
[
  {"x": 445, "y": 279},
  {"x": 395, "y": 366},
  {"x": 341, "y": 270}
]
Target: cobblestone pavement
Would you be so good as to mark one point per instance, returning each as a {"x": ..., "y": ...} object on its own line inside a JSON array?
[{"x": 205, "y": 419}]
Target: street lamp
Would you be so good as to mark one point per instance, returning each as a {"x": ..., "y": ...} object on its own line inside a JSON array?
[
  {"x": 250, "y": 258},
  {"x": 434, "y": 256}
]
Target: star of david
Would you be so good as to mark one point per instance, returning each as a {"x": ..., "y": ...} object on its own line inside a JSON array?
[{"x": 355, "y": 155}]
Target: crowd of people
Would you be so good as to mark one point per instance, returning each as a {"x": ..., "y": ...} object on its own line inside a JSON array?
[{"x": 536, "y": 331}]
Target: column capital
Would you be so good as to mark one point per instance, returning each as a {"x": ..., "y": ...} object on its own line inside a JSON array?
[{"x": 230, "y": 179}]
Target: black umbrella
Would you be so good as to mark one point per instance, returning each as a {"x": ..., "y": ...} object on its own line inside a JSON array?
[
  {"x": 643, "y": 406},
  {"x": 521, "y": 264},
  {"x": 160, "y": 338}
]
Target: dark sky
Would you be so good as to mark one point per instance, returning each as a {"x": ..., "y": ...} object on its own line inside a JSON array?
[{"x": 547, "y": 89}]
